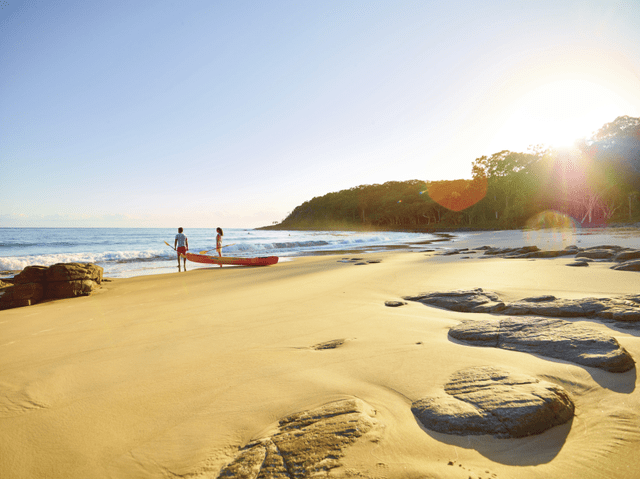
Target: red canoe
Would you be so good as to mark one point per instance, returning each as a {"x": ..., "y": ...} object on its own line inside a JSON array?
[{"x": 203, "y": 258}]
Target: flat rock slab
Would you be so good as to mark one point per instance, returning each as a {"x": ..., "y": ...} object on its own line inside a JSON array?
[
  {"x": 627, "y": 255},
  {"x": 631, "y": 265},
  {"x": 621, "y": 308},
  {"x": 306, "y": 444},
  {"x": 530, "y": 252},
  {"x": 552, "y": 338},
  {"x": 488, "y": 400}
]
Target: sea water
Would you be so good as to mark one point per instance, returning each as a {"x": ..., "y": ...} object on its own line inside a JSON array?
[{"x": 128, "y": 252}]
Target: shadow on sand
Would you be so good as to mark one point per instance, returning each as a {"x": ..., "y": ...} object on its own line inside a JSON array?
[{"x": 526, "y": 451}]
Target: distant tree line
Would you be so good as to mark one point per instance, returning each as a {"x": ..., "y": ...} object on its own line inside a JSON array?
[{"x": 594, "y": 183}]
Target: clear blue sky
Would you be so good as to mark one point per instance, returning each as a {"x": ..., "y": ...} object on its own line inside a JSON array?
[{"x": 231, "y": 113}]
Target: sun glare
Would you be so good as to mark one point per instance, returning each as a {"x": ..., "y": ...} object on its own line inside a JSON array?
[{"x": 558, "y": 113}]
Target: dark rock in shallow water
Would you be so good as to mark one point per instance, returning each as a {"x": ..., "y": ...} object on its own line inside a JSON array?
[
  {"x": 307, "y": 444},
  {"x": 487, "y": 400},
  {"x": 552, "y": 338},
  {"x": 622, "y": 308}
]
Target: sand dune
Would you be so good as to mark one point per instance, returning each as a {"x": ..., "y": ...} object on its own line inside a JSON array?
[{"x": 173, "y": 375}]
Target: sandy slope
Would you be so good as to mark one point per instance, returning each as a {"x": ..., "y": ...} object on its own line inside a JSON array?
[{"x": 169, "y": 375}]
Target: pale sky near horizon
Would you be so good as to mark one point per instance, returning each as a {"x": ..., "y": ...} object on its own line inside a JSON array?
[{"x": 229, "y": 113}]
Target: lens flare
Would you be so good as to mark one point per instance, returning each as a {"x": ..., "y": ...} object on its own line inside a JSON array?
[
  {"x": 458, "y": 195},
  {"x": 550, "y": 230}
]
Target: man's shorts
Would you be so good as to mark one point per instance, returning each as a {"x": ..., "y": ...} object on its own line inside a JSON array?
[{"x": 182, "y": 250}]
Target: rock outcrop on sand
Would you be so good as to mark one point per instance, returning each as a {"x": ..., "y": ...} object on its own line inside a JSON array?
[
  {"x": 488, "y": 400},
  {"x": 306, "y": 444},
  {"x": 627, "y": 259},
  {"x": 553, "y": 338},
  {"x": 394, "y": 304},
  {"x": 621, "y": 308},
  {"x": 62, "y": 280},
  {"x": 632, "y": 265}
]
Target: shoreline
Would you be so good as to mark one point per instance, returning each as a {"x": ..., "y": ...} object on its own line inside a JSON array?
[{"x": 173, "y": 374}]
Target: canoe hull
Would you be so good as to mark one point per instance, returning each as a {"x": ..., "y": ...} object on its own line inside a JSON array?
[{"x": 231, "y": 260}]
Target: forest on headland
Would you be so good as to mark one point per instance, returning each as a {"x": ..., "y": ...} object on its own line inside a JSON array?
[{"x": 594, "y": 183}]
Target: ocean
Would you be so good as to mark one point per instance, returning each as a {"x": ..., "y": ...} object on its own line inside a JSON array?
[{"x": 128, "y": 252}]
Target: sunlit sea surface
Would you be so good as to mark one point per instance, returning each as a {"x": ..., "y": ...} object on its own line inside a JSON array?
[{"x": 127, "y": 252}]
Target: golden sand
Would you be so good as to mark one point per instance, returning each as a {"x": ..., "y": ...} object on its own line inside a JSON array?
[{"x": 169, "y": 375}]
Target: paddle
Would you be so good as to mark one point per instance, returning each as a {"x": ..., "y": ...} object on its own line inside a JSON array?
[
  {"x": 182, "y": 256},
  {"x": 206, "y": 251}
]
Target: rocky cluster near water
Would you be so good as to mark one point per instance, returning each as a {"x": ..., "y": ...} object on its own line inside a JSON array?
[
  {"x": 621, "y": 308},
  {"x": 626, "y": 259},
  {"x": 489, "y": 400},
  {"x": 306, "y": 444},
  {"x": 63, "y": 280}
]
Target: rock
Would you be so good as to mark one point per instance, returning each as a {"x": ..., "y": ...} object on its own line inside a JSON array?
[
  {"x": 466, "y": 301},
  {"x": 32, "y": 291},
  {"x": 578, "y": 263},
  {"x": 333, "y": 344},
  {"x": 624, "y": 308},
  {"x": 599, "y": 253},
  {"x": 627, "y": 255},
  {"x": 488, "y": 400},
  {"x": 307, "y": 444},
  {"x": 73, "y": 272},
  {"x": 633, "y": 265},
  {"x": 69, "y": 289},
  {"x": 394, "y": 304},
  {"x": 31, "y": 274},
  {"x": 454, "y": 252},
  {"x": 9, "y": 300},
  {"x": 62, "y": 280},
  {"x": 605, "y": 252},
  {"x": 552, "y": 338}
]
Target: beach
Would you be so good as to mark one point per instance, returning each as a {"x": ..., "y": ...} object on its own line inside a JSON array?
[{"x": 172, "y": 375}]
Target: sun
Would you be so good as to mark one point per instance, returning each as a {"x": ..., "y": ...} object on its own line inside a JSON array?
[{"x": 557, "y": 113}]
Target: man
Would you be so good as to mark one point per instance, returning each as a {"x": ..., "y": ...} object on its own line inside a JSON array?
[{"x": 181, "y": 245}]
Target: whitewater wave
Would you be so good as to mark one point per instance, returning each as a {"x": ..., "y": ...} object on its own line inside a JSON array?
[
  {"x": 277, "y": 247},
  {"x": 16, "y": 263}
]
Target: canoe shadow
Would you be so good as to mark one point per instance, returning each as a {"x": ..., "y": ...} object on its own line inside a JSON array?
[{"x": 527, "y": 451}]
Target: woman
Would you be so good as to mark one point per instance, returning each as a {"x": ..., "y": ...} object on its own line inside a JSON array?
[{"x": 219, "y": 242}]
